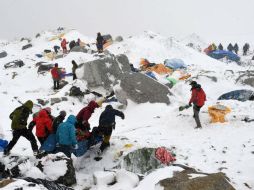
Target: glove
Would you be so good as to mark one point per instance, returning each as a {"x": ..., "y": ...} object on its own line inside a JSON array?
[
  {"x": 123, "y": 116},
  {"x": 75, "y": 146},
  {"x": 190, "y": 104}
]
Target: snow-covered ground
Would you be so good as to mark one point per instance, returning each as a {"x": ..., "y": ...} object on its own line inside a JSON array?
[{"x": 226, "y": 147}]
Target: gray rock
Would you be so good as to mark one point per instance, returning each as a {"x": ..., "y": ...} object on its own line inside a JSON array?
[
  {"x": 79, "y": 49},
  {"x": 140, "y": 89},
  {"x": 3, "y": 54},
  {"x": 55, "y": 101},
  {"x": 114, "y": 70},
  {"x": 246, "y": 77},
  {"x": 141, "y": 161},
  {"x": 104, "y": 72},
  {"x": 64, "y": 99},
  {"x": 119, "y": 39},
  {"x": 182, "y": 181},
  {"x": 27, "y": 46},
  {"x": 42, "y": 102},
  {"x": 75, "y": 91},
  {"x": 44, "y": 68},
  {"x": 14, "y": 64}
]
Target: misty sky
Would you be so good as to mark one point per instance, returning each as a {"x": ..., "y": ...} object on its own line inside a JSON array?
[{"x": 209, "y": 18}]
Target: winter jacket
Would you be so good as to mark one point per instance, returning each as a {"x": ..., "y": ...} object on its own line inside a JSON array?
[
  {"x": 85, "y": 114},
  {"x": 56, "y": 122},
  {"x": 198, "y": 96},
  {"x": 99, "y": 40},
  {"x": 43, "y": 124},
  {"x": 20, "y": 115},
  {"x": 74, "y": 67},
  {"x": 64, "y": 43},
  {"x": 107, "y": 117},
  {"x": 66, "y": 134},
  {"x": 56, "y": 74}
]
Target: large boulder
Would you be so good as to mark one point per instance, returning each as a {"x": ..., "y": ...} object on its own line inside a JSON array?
[
  {"x": 105, "y": 72},
  {"x": 115, "y": 72},
  {"x": 3, "y": 54},
  {"x": 141, "y": 161},
  {"x": 140, "y": 89},
  {"x": 14, "y": 64},
  {"x": 191, "y": 180},
  {"x": 44, "y": 68},
  {"x": 79, "y": 49},
  {"x": 27, "y": 46}
]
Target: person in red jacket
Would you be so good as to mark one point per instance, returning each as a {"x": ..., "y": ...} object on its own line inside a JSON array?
[
  {"x": 198, "y": 98},
  {"x": 64, "y": 45},
  {"x": 83, "y": 126},
  {"x": 56, "y": 75},
  {"x": 43, "y": 123}
]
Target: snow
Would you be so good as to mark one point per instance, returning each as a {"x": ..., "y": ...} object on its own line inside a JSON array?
[{"x": 226, "y": 147}]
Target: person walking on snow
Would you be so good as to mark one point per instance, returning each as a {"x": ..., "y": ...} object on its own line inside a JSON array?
[
  {"x": 99, "y": 42},
  {"x": 74, "y": 68},
  {"x": 64, "y": 45},
  {"x": 107, "y": 125},
  {"x": 198, "y": 98},
  {"x": 19, "y": 121},
  {"x": 43, "y": 123},
  {"x": 66, "y": 136},
  {"x": 56, "y": 75}
]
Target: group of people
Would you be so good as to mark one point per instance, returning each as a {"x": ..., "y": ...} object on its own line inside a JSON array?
[
  {"x": 68, "y": 133},
  {"x": 56, "y": 74},
  {"x": 99, "y": 44},
  {"x": 235, "y": 48}
]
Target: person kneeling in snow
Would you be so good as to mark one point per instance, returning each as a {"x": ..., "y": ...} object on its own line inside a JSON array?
[
  {"x": 198, "y": 98},
  {"x": 66, "y": 136},
  {"x": 107, "y": 124}
]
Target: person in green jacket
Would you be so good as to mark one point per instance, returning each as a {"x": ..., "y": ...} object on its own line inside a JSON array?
[{"x": 19, "y": 121}]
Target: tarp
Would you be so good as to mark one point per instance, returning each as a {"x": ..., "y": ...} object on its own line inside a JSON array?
[
  {"x": 175, "y": 64},
  {"x": 218, "y": 54},
  {"x": 160, "y": 69},
  {"x": 3, "y": 144},
  {"x": 50, "y": 144},
  {"x": 172, "y": 80},
  {"x": 218, "y": 113},
  {"x": 241, "y": 95},
  {"x": 50, "y": 56},
  {"x": 57, "y": 37},
  {"x": 150, "y": 74}
]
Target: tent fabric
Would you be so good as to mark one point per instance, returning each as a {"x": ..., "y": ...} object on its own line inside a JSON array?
[
  {"x": 3, "y": 144},
  {"x": 150, "y": 74},
  {"x": 57, "y": 37},
  {"x": 172, "y": 80},
  {"x": 219, "y": 54},
  {"x": 160, "y": 69},
  {"x": 50, "y": 144},
  {"x": 240, "y": 95},
  {"x": 175, "y": 64},
  {"x": 50, "y": 56},
  {"x": 164, "y": 155},
  {"x": 218, "y": 113}
]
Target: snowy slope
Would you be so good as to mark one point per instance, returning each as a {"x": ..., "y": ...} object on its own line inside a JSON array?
[{"x": 217, "y": 147}]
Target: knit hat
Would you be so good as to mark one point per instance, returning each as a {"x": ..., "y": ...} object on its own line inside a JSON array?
[{"x": 63, "y": 113}]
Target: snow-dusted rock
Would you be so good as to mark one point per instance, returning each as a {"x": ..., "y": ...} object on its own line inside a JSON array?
[
  {"x": 27, "y": 46},
  {"x": 14, "y": 64},
  {"x": 44, "y": 67},
  {"x": 246, "y": 77},
  {"x": 119, "y": 39},
  {"x": 3, "y": 54},
  {"x": 104, "y": 178},
  {"x": 191, "y": 180}
]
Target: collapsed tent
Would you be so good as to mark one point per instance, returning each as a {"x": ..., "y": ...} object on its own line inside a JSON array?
[
  {"x": 219, "y": 54},
  {"x": 218, "y": 113},
  {"x": 108, "y": 40},
  {"x": 175, "y": 64},
  {"x": 241, "y": 95}
]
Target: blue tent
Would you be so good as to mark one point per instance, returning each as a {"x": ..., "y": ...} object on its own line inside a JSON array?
[
  {"x": 151, "y": 75},
  {"x": 218, "y": 54},
  {"x": 175, "y": 64},
  {"x": 241, "y": 95}
]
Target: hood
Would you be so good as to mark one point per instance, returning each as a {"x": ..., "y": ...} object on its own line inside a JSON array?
[
  {"x": 72, "y": 119},
  {"x": 29, "y": 104},
  {"x": 92, "y": 105},
  {"x": 108, "y": 107},
  {"x": 42, "y": 114}
]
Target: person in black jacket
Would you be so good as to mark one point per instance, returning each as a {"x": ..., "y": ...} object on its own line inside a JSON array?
[
  {"x": 99, "y": 42},
  {"x": 220, "y": 47},
  {"x": 236, "y": 48},
  {"x": 107, "y": 124},
  {"x": 230, "y": 47},
  {"x": 58, "y": 120}
]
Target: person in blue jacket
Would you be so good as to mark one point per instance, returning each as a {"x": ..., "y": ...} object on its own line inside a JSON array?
[{"x": 66, "y": 136}]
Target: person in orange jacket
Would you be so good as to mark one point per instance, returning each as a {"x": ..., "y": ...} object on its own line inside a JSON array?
[
  {"x": 64, "y": 45},
  {"x": 56, "y": 75}
]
